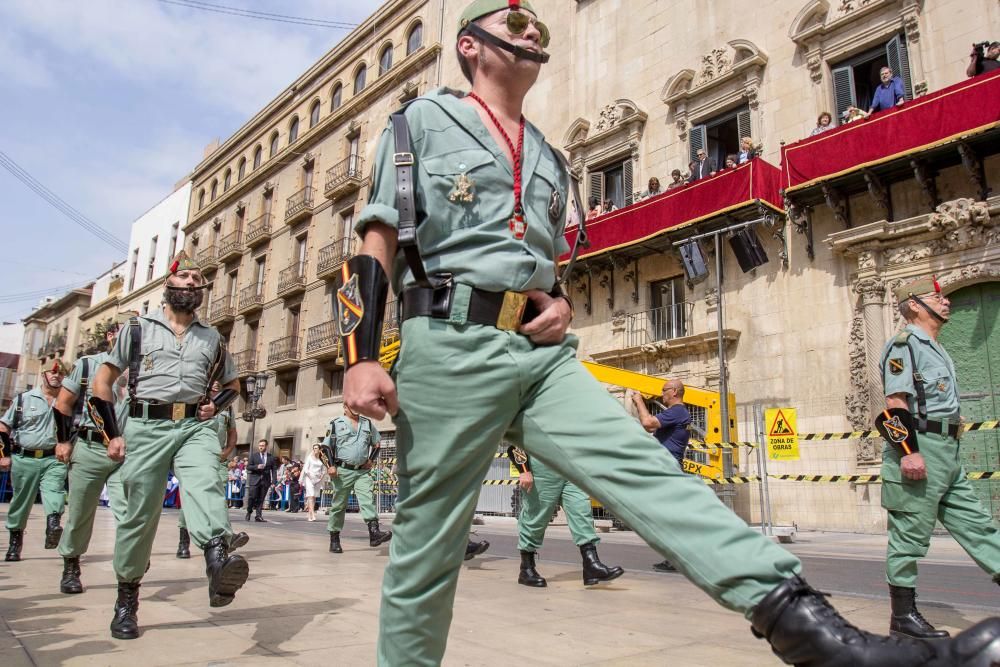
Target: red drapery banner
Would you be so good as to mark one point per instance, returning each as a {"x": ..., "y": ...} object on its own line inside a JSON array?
[
  {"x": 965, "y": 108},
  {"x": 750, "y": 183}
]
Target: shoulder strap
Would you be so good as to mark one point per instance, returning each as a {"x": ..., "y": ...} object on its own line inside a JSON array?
[
  {"x": 581, "y": 229},
  {"x": 18, "y": 412},
  {"x": 403, "y": 160},
  {"x": 135, "y": 332},
  {"x": 216, "y": 370},
  {"x": 81, "y": 395}
]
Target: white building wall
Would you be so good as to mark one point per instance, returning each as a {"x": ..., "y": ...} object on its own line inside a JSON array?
[{"x": 156, "y": 222}]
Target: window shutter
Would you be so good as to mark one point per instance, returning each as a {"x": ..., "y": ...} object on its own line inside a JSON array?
[
  {"x": 699, "y": 140},
  {"x": 596, "y": 187},
  {"x": 743, "y": 123},
  {"x": 899, "y": 62},
  {"x": 627, "y": 178},
  {"x": 843, "y": 90}
]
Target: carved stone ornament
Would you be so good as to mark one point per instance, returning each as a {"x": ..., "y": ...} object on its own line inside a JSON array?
[
  {"x": 911, "y": 24},
  {"x": 815, "y": 65},
  {"x": 920, "y": 88},
  {"x": 871, "y": 290},
  {"x": 618, "y": 320},
  {"x": 713, "y": 65},
  {"x": 752, "y": 91},
  {"x": 607, "y": 118},
  {"x": 856, "y": 402},
  {"x": 712, "y": 297},
  {"x": 657, "y": 353},
  {"x": 965, "y": 224},
  {"x": 866, "y": 261},
  {"x": 269, "y": 186}
]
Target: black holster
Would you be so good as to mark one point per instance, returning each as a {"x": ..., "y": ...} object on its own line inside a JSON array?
[{"x": 359, "y": 305}]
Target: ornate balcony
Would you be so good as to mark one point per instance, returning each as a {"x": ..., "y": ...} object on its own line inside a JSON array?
[
  {"x": 207, "y": 258},
  {"x": 221, "y": 310},
  {"x": 323, "y": 341},
  {"x": 251, "y": 299},
  {"x": 344, "y": 177},
  {"x": 332, "y": 256},
  {"x": 259, "y": 230},
  {"x": 230, "y": 246},
  {"x": 245, "y": 362},
  {"x": 292, "y": 280},
  {"x": 663, "y": 323},
  {"x": 283, "y": 353},
  {"x": 300, "y": 205}
]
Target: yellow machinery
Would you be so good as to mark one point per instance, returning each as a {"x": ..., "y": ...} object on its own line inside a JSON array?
[{"x": 649, "y": 387}]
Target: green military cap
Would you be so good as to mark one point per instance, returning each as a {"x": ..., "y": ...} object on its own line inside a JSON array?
[
  {"x": 58, "y": 366},
  {"x": 182, "y": 262},
  {"x": 480, "y": 8},
  {"x": 916, "y": 288}
]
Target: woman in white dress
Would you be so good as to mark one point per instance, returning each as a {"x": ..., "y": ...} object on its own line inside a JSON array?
[{"x": 312, "y": 476}]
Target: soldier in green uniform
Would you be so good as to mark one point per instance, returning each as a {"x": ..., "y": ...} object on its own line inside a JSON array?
[
  {"x": 81, "y": 446},
  {"x": 542, "y": 491},
  {"x": 466, "y": 213},
  {"x": 350, "y": 449},
  {"x": 172, "y": 360},
  {"x": 923, "y": 480},
  {"x": 28, "y": 432}
]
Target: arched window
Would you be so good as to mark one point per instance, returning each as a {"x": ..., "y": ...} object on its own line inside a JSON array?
[
  {"x": 227, "y": 180},
  {"x": 293, "y": 130},
  {"x": 215, "y": 189},
  {"x": 415, "y": 39},
  {"x": 336, "y": 97},
  {"x": 314, "y": 114},
  {"x": 201, "y": 199},
  {"x": 359, "y": 79},
  {"x": 258, "y": 155},
  {"x": 274, "y": 146},
  {"x": 242, "y": 170},
  {"x": 385, "y": 60}
]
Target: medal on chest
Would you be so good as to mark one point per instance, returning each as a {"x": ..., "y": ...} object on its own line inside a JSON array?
[
  {"x": 147, "y": 364},
  {"x": 517, "y": 224},
  {"x": 462, "y": 189}
]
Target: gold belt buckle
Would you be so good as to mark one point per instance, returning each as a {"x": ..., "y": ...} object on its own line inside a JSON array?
[
  {"x": 178, "y": 411},
  {"x": 39, "y": 453},
  {"x": 511, "y": 311}
]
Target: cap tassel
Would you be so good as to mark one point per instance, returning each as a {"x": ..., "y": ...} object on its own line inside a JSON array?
[
  {"x": 514, "y": 4},
  {"x": 55, "y": 367},
  {"x": 173, "y": 267},
  {"x": 937, "y": 287}
]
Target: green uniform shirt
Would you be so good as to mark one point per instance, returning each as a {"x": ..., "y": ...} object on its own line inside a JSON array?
[
  {"x": 349, "y": 445},
  {"x": 934, "y": 367},
  {"x": 37, "y": 428},
  {"x": 450, "y": 141},
  {"x": 72, "y": 384},
  {"x": 172, "y": 369}
]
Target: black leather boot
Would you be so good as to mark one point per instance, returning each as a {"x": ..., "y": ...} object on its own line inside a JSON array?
[
  {"x": 70, "y": 583},
  {"x": 376, "y": 536},
  {"x": 53, "y": 531},
  {"x": 804, "y": 630},
  {"x": 238, "y": 540},
  {"x": 906, "y": 619},
  {"x": 594, "y": 571},
  {"x": 16, "y": 542},
  {"x": 184, "y": 544},
  {"x": 226, "y": 573},
  {"x": 529, "y": 575},
  {"x": 125, "y": 624},
  {"x": 473, "y": 549},
  {"x": 335, "y": 547}
]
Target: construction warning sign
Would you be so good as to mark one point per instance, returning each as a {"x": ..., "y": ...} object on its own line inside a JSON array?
[{"x": 782, "y": 436}]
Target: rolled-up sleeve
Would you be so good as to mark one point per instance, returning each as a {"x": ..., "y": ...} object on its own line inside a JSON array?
[{"x": 381, "y": 206}]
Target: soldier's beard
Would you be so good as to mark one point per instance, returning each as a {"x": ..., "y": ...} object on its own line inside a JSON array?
[{"x": 182, "y": 299}]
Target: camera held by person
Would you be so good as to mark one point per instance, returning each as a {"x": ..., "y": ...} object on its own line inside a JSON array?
[{"x": 984, "y": 58}]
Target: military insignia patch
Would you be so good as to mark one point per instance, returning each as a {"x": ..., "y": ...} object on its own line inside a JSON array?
[
  {"x": 350, "y": 307},
  {"x": 895, "y": 429},
  {"x": 462, "y": 190},
  {"x": 896, "y": 365},
  {"x": 520, "y": 458},
  {"x": 147, "y": 364}
]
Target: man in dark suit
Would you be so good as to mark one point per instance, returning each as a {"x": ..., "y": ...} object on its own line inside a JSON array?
[
  {"x": 703, "y": 167},
  {"x": 261, "y": 471}
]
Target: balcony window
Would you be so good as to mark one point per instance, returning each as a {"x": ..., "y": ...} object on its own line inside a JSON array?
[{"x": 286, "y": 388}]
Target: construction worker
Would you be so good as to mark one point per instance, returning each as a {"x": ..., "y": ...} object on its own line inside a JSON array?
[
  {"x": 82, "y": 447},
  {"x": 351, "y": 448},
  {"x": 28, "y": 432},
  {"x": 542, "y": 491},
  {"x": 172, "y": 359},
  {"x": 477, "y": 365},
  {"x": 923, "y": 481}
]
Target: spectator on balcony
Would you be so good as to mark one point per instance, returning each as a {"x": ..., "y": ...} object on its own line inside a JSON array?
[
  {"x": 731, "y": 161},
  {"x": 678, "y": 179},
  {"x": 853, "y": 113},
  {"x": 652, "y": 189},
  {"x": 747, "y": 151},
  {"x": 823, "y": 123},
  {"x": 980, "y": 62},
  {"x": 889, "y": 93},
  {"x": 703, "y": 167},
  {"x": 609, "y": 205},
  {"x": 593, "y": 208}
]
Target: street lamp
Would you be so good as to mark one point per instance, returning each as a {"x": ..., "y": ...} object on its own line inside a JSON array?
[{"x": 255, "y": 389}]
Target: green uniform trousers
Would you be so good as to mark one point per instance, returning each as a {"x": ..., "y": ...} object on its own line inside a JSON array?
[
  {"x": 538, "y": 505},
  {"x": 464, "y": 388},
  {"x": 150, "y": 447},
  {"x": 223, "y": 479},
  {"x": 915, "y": 506},
  {"x": 29, "y": 475},
  {"x": 359, "y": 481},
  {"x": 89, "y": 470}
]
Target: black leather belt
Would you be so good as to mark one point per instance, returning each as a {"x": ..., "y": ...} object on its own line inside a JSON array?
[
  {"x": 942, "y": 428},
  {"x": 503, "y": 310},
  {"x": 341, "y": 464},
  {"x": 173, "y": 411},
  {"x": 33, "y": 453},
  {"x": 93, "y": 436}
]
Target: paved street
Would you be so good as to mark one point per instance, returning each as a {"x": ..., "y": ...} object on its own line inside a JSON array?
[{"x": 304, "y": 606}]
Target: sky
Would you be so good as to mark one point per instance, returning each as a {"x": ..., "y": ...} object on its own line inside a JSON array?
[{"x": 109, "y": 103}]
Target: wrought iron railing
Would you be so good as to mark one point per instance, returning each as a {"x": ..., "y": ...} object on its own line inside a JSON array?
[
  {"x": 206, "y": 256},
  {"x": 347, "y": 172},
  {"x": 283, "y": 350},
  {"x": 245, "y": 361},
  {"x": 231, "y": 244},
  {"x": 332, "y": 256},
  {"x": 252, "y": 295},
  {"x": 259, "y": 228},
  {"x": 221, "y": 308},
  {"x": 663, "y": 323},
  {"x": 322, "y": 338},
  {"x": 292, "y": 277},
  {"x": 299, "y": 202}
]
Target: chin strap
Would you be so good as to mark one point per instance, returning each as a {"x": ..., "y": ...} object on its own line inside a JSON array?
[
  {"x": 936, "y": 315},
  {"x": 519, "y": 52}
]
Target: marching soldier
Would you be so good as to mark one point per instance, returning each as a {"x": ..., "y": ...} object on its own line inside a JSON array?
[
  {"x": 542, "y": 491},
  {"x": 28, "y": 432},
  {"x": 466, "y": 214},
  {"x": 172, "y": 359},
  {"x": 82, "y": 447},
  {"x": 350, "y": 450},
  {"x": 922, "y": 478}
]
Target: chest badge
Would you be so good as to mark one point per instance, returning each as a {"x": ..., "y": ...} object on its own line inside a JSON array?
[
  {"x": 896, "y": 366},
  {"x": 147, "y": 364},
  {"x": 462, "y": 189},
  {"x": 555, "y": 206},
  {"x": 942, "y": 386}
]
